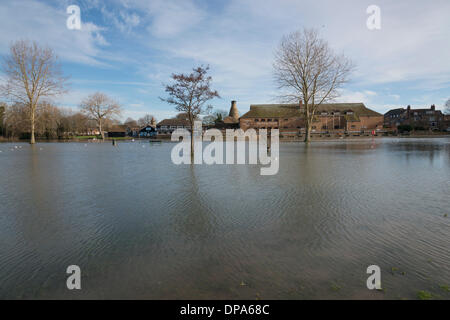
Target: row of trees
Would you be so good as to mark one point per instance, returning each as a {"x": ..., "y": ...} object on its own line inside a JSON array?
[
  {"x": 52, "y": 122},
  {"x": 305, "y": 69},
  {"x": 33, "y": 77}
]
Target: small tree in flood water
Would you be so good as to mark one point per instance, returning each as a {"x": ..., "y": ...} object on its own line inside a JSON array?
[
  {"x": 100, "y": 107},
  {"x": 189, "y": 94},
  {"x": 307, "y": 69}
]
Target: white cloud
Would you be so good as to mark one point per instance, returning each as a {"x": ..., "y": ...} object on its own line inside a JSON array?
[
  {"x": 26, "y": 19},
  {"x": 237, "y": 39}
]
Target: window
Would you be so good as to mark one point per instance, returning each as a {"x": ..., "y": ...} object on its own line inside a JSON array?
[
  {"x": 353, "y": 126},
  {"x": 286, "y": 119},
  {"x": 285, "y": 127},
  {"x": 263, "y": 120},
  {"x": 256, "y": 120},
  {"x": 268, "y": 120},
  {"x": 313, "y": 127}
]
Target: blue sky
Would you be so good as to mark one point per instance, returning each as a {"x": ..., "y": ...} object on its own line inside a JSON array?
[{"x": 128, "y": 48}]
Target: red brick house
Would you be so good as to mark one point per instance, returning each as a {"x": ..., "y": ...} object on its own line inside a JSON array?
[
  {"x": 330, "y": 117},
  {"x": 418, "y": 119}
]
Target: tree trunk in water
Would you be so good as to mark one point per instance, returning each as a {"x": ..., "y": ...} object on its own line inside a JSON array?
[
  {"x": 307, "y": 133},
  {"x": 192, "y": 142},
  {"x": 32, "y": 140},
  {"x": 307, "y": 124},
  {"x": 101, "y": 130}
]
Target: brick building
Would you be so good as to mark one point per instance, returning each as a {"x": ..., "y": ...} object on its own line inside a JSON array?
[
  {"x": 418, "y": 119},
  {"x": 330, "y": 117}
]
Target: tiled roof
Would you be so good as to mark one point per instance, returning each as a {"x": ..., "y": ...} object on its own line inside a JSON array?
[
  {"x": 292, "y": 110},
  {"x": 395, "y": 111},
  {"x": 174, "y": 122},
  {"x": 119, "y": 128}
]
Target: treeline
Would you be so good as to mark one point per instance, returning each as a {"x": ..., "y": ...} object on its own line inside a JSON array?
[{"x": 52, "y": 122}]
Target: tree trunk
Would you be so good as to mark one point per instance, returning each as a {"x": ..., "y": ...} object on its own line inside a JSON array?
[
  {"x": 100, "y": 127},
  {"x": 192, "y": 140},
  {"x": 32, "y": 140},
  {"x": 307, "y": 133},
  {"x": 308, "y": 125}
]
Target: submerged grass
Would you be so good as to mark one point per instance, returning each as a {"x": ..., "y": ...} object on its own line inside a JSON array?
[{"x": 424, "y": 295}]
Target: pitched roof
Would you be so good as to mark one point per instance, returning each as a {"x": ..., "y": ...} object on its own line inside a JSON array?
[
  {"x": 293, "y": 110},
  {"x": 395, "y": 111},
  {"x": 173, "y": 122},
  {"x": 118, "y": 128}
]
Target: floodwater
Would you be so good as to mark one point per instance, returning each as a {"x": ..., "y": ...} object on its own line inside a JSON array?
[{"x": 140, "y": 227}]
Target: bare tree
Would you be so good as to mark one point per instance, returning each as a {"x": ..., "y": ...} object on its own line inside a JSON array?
[
  {"x": 130, "y": 123},
  {"x": 307, "y": 70},
  {"x": 32, "y": 73},
  {"x": 189, "y": 94},
  {"x": 2, "y": 117},
  {"x": 16, "y": 123},
  {"x": 209, "y": 120},
  {"x": 47, "y": 119},
  {"x": 101, "y": 108},
  {"x": 182, "y": 116},
  {"x": 447, "y": 107},
  {"x": 147, "y": 120}
]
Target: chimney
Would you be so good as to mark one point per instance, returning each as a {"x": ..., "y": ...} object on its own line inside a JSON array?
[
  {"x": 234, "y": 113},
  {"x": 300, "y": 105},
  {"x": 433, "y": 107}
]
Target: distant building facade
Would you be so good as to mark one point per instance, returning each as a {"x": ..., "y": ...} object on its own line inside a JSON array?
[
  {"x": 147, "y": 132},
  {"x": 418, "y": 119},
  {"x": 117, "y": 132},
  {"x": 167, "y": 126},
  {"x": 331, "y": 117}
]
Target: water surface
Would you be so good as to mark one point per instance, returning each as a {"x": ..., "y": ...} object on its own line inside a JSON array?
[{"x": 141, "y": 227}]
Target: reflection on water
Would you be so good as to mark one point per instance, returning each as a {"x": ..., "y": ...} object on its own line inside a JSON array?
[{"x": 140, "y": 227}]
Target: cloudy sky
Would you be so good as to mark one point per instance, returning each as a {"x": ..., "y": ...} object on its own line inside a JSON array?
[{"x": 128, "y": 48}]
